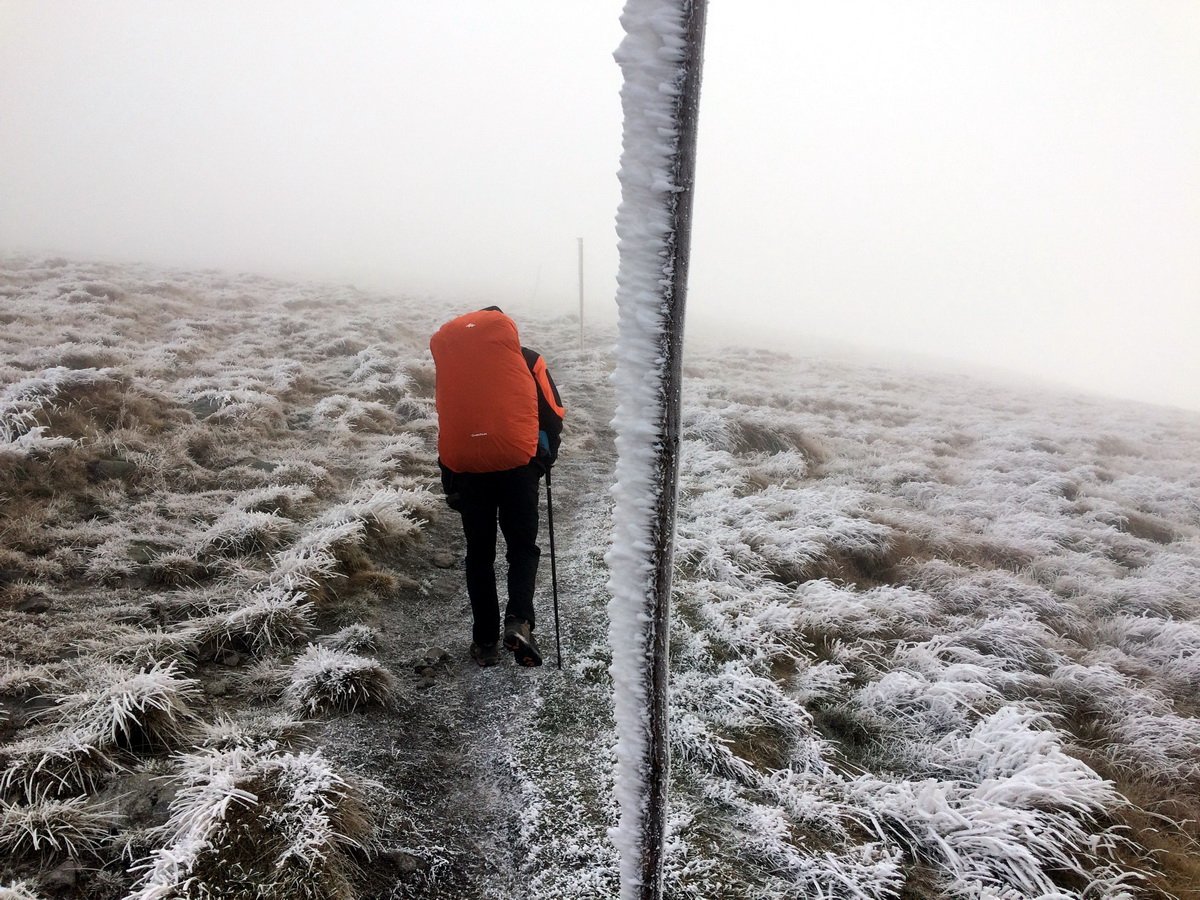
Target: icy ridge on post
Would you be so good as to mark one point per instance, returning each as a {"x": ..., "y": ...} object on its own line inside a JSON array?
[{"x": 651, "y": 58}]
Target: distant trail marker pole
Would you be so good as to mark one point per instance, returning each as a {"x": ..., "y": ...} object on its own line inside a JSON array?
[
  {"x": 580, "y": 295},
  {"x": 660, "y": 58}
]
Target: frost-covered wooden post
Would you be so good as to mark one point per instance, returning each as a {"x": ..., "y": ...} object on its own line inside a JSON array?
[
  {"x": 580, "y": 295},
  {"x": 660, "y": 58}
]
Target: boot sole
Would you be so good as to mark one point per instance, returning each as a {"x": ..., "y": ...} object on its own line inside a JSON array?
[{"x": 524, "y": 653}]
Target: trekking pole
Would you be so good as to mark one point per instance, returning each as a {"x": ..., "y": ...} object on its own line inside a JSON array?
[{"x": 553, "y": 566}]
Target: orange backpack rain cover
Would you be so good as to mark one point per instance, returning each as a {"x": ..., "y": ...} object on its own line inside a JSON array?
[{"x": 486, "y": 397}]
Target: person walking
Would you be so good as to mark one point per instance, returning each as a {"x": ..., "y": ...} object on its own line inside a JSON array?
[{"x": 500, "y": 420}]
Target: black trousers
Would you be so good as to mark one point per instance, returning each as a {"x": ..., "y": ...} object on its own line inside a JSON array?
[{"x": 509, "y": 498}]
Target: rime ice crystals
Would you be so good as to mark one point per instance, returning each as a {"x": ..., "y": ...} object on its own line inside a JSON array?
[{"x": 651, "y": 57}]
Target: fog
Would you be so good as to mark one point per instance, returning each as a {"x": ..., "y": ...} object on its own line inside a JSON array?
[{"x": 1014, "y": 185}]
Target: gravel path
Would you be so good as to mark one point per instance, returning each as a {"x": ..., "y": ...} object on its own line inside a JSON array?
[{"x": 497, "y": 782}]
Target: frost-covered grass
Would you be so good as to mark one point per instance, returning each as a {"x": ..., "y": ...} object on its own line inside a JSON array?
[
  {"x": 352, "y": 639},
  {"x": 925, "y": 621},
  {"x": 267, "y": 620},
  {"x": 932, "y": 638},
  {"x": 56, "y": 763},
  {"x": 198, "y": 475},
  {"x": 328, "y": 680},
  {"x": 18, "y": 890},
  {"x": 257, "y": 821},
  {"x": 49, "y": 829},
  {"x": 126, "y": 708},
  {"x": 23, "y": 404}
]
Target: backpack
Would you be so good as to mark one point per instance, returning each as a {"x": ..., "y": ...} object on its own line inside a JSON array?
[{"x": 485, "y": 394}]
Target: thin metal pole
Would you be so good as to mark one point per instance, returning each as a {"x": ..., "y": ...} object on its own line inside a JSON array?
[
  {"x": 580, "y": 295},
  {"x": 662, "y": 533},
  {"x": 553, "y": 567}
]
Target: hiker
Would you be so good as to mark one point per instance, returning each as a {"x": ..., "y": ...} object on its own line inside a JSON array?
[{"x": 500, "y": 421}]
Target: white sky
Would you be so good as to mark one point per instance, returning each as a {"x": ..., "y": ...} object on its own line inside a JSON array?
[{"x": 1012, "y": 183}]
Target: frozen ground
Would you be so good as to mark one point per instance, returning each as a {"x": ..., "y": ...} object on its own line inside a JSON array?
[{"x": 932, "y": 638}]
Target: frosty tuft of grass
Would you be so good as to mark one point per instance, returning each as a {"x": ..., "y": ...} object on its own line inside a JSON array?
[
  {"x": 349, "y": 415},
  {"x": 18, "y": 890},
  {"x": 54, "y": 764},
  {"x": 378, "y": 374},
  {"x": 382, "y": 510},
  {"x": 48, "y": 829},
  {"x": 332, "y": 680},
  {"x": 130, "y": 708},
  {"x": 254, "y": 821},
  {"x": 270, "y": 619},
  {"x": 280, "y": 498},
  {"x": 352, "y": 639},
  {"x": 25, "y": 681},
  {"x": 240, "y": 531},
  {"x": 143, "y": 648},
  {"x": 265, "y": 680},
  {"x": 21, "y": 435},
  {"x": 176, "y": 568},
  {"x": 252, "y": 730},
  {"x": 312, "y": 559}
]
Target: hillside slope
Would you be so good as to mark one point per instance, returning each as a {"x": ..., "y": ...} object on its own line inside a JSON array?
[{"x": 932, "y": 638}]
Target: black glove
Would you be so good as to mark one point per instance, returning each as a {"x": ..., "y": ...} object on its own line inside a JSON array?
[{"x": 544, "y": 459}]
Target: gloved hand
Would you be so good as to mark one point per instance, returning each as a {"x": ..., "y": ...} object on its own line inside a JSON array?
[
  {"x": 454, "y": 501},
  {"x": 543, "y": 460}
]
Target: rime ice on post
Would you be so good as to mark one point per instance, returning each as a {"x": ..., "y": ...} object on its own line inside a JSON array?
[{"x": 660, "y": 58}]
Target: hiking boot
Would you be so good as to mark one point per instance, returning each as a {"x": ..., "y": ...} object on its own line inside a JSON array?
[
  {"x": 485, "y": 654},
  {"x": 519, "y": 639}
]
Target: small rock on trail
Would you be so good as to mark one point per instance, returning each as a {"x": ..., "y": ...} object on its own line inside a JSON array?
[{"x": 442, "y": 559}]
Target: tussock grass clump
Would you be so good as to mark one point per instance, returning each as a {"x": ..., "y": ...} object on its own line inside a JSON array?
[
  {"x": 257, "y": 822},
  {"x": 54, "y": 764},
  {"x": 240, "y": 407},
  {"x": 331, "y": 680},
  {"x": 24, "y": 405},
  {"x": 352, "y": 639},
  {"x": 19, "y": 890},
  {"x": 241, "y": 531},
  {"x": 312, "y": 559},
  {"x": 130, "y": 708},
  {"x": 142, "y": 648},
  {"x": 1163, "y": 748},
  {"x": 177, "y": 568},
  {"x": 1033, "y": 810},
  {"x": 349, "y": 415},
  {"x": 405, "y": 455},
  {"x": 281, "y": 498},
  {"x": 378, "y": 374},
  {"x": 269, "y": 620},
  {"x": 383, "y": 511},
  {"x": 24, "y": 596},
  {"x": 48, "y": 829},
  {"x": 265, "y": 680},
  {"x": 22, "y": 682},
  {"x": 252, "y": 730}
]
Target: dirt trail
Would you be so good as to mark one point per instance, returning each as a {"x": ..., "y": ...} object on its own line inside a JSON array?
[{"x": 495, "y": 782}]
